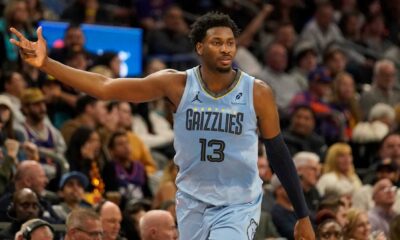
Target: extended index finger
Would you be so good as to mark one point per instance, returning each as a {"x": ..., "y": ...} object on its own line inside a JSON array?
[{"x": 18, "y": 34}]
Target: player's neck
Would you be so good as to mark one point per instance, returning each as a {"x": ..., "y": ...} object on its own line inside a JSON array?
[{"x": 217, "y": 81}]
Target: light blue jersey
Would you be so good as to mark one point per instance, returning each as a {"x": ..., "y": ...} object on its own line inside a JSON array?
[{"x": 216, "y": 142}]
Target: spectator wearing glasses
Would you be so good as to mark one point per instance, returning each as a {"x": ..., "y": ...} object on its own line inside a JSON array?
[
  {"x": 84, "y": 224},
  {"x": 384, "y": 196},
  {"x": 309, "y": 168}
]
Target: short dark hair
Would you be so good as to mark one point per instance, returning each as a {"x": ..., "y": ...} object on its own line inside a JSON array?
[
  {"x": 84, "y": 101},
  {"x": 6, "y": 77},
  {"x": 331, "y": 52},
  {"x": 303, "y": 106},
  {"x": 114, "y": 136},
  {"x": 79, "y": 217},
  {"x": 73, "y": 25},
  {"x": 212, "y": 19}
]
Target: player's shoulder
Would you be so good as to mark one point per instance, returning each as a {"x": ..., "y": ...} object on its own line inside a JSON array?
[
  {"x": 170, "y": 74},
  {"x": 261, "y": 88}
]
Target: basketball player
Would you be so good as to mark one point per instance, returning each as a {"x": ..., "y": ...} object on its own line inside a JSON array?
[{"x": 217, "y": 112}]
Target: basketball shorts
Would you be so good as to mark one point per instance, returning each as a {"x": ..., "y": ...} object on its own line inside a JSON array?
[{"x": 200, "y": 221}]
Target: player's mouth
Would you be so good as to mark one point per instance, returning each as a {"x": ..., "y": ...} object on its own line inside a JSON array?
[{"x": 225, "y": 60}]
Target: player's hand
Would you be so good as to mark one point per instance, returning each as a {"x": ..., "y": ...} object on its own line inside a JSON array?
[
  {"x": 303, "y": 230},
  {"x": 34, "y": 53}
]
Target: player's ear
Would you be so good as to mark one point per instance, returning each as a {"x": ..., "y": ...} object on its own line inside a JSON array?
[{"x": 199, "y": 48}]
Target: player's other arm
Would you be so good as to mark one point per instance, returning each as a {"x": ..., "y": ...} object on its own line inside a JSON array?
[
  {"x": 279, "y": 156},
  {"x": 152, "y": 87}
]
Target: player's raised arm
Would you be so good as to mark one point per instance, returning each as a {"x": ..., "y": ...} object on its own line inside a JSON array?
[{"x": 134, "y": 89}]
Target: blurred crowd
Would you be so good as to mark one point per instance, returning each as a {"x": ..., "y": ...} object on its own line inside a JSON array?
[{"x": 333, "y": 66}]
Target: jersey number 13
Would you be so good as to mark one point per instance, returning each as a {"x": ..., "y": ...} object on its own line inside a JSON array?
[{"x": 218, "y": 148}]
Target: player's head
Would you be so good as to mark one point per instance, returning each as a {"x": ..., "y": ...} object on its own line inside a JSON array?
[{"x": 214, "y": 38}]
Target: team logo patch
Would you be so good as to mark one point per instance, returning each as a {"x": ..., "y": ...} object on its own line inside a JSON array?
[
  {"x": 196, "y": 98},
  {"x": 251, "y": 229},
  {"x": 239, "y": 100}
]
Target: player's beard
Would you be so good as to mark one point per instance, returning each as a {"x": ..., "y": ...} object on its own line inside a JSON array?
[{"x": 224, "y": 69}]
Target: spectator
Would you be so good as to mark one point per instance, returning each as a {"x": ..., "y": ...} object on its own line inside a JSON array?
[
  {"x": 384, "y": 78},
  {"x": 384, "y": 196},
  {"x": 390, "y": 148},
  {"x": 71, "y": 192},
  {"x": 250, "y": 46},
  {"x": 338, "y": 170},
  {"x": 360, "y": 58},
  {"x": 297, "y": 13},
  {"x": 83, "y": 155},
  {"x": 35, "y": 229},
  {"x": 7, "y": 129},
  {"x": 286, "y": 35},
  {"x": 362, "y": 198},
  {"x": 305, "y": 60},
  {"x": 24, "y": 206},
  {"x": 329, "y": 229},
  {"x": 14, "y": 85},
  {"x": 387, "y": 148},
  {"x": 167, "y": 187},
  {"x": 283, "y": 84},
  {"x": 30, "y": 174},
  {"x": 83, "y": 224},
  {"x": 38, "y": 11},
  {"x": 150, "y": 13},
  {"x": 380, "y": 122},
  {"x": 86, "y": 11},
  {"x": 345, "y": 101},
  {"x": 300, "y": 135},
  {"x": 332, "y": 206},
  {"x": 266, "y": 228},
  {"x": 358, "y": 227},
  {"x": 158, "y": 225},
  {"x": 283, "y": 215},
  {"x": 308, "y": 168},
  {"x": 155, "y": 131},
  {"x": 111, "y": 61},
  {"x": 374, "y": 35},
  {"x": 140, "y": 150},
  {"x": 328, "y": 122},
  {"x": 322, "y": 30},
  {"x": 41, "y": 132},
  {"x": 110, "y": 125},
  {"x": 111, "y": 218},
  {"x": 350, "y": 24},
  {"x": 172, "y": 37},
  {"x": 16, "y": 15},
  {"x": 123, "y": 174},
  {"x": 133, "y": 212},
  {"x": 335, "y": 60},
  {"x": 74, "y": 41},
  {"x": 90, "y": 113},
  {"x": 9, "y": 162},
  {"x": 11, "y": 139}
]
